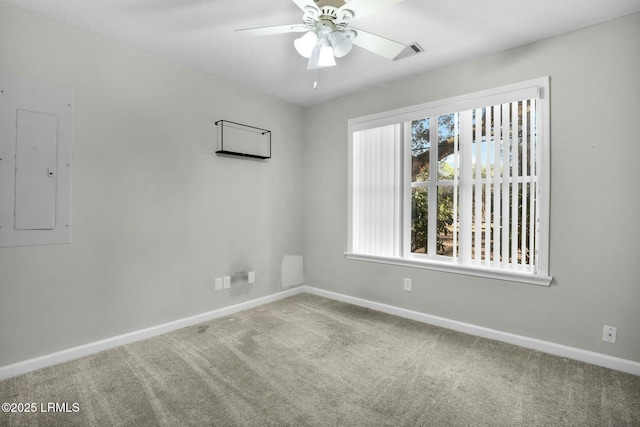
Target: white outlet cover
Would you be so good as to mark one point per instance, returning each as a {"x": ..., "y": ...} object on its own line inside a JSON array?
[
  {"x": 609, "y": 334},
  {"x": 227, "y": 282},
  {"x": 218, "y": 286},
  {"x": 252, "y": 277}
]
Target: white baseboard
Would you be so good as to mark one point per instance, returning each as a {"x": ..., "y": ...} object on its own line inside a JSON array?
[
  {"x": 599, "y": 359},
  {"x": 67, "y": 355},
  {"x": 594, "y": 358}
]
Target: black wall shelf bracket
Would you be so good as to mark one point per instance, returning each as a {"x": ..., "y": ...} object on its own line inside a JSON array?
[{"x": 237, "y": 139}]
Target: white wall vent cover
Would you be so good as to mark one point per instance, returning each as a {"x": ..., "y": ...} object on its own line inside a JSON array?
[{"x": 410, "y": 50}]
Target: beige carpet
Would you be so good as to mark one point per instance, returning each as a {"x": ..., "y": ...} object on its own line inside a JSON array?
[{"x": 307, "y": 360}]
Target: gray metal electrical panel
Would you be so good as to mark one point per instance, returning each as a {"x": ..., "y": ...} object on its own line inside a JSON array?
[{"x": 35, "y": 162}]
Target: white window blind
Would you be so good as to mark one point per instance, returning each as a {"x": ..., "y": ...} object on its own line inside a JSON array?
[
  {"x": 377, "y": 191},
  {"x": 455, "y": 190},
  {"x": 502, "y": 210}
]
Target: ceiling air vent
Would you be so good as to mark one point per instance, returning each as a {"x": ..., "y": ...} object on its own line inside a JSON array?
[{"x": 409, "y": 50}]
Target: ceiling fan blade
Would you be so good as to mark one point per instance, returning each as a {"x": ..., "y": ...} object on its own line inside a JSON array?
[
  {"x": 279, "y": 29},
  {"x": 377, "y": 44},
  {"x": 302, "y": 4},
  {"x": 362, "y": 8}
]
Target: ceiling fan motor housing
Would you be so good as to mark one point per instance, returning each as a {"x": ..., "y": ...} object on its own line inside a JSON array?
[
  {"x": 328, "y": 12},
  {"x": 312, "y": 16}
]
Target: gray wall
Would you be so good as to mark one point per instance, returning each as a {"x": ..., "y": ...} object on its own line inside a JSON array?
[
  {"x": 156, "y": 215},
  {"x": 595, "y": 147}
]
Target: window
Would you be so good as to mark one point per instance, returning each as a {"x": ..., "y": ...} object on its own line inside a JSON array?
[{"x": 459, "y": 185}]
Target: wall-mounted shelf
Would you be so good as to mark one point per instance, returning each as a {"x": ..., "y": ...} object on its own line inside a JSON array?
[{"x": 236, "y": 139}]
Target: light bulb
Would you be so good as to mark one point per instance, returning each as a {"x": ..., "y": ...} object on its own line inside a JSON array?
[
  {"x": 341, "y": 43},
  {"x": 325, "y": 58},
  {"x": 305, "y": 44}
]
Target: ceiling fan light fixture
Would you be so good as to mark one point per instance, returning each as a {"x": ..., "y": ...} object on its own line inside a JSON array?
[
  {"x": 305, "y": 44},
  {"x": 341, "y": 43},
  {"x": 325, "y": 57}
]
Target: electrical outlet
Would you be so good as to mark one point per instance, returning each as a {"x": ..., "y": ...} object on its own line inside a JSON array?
[
  {"x": 218, "y": 286},
  {"x": 609, "y": 334},
  {"x": 407, "y": 284},
  {"x": 251, "y": 277},
  {"x": 227, "y": 282}
]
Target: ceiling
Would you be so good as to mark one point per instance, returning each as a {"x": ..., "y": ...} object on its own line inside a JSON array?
[{"x": 200, "y": 34}]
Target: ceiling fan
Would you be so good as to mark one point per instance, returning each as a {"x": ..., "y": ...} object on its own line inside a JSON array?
[{"x": 328, "y": 34}]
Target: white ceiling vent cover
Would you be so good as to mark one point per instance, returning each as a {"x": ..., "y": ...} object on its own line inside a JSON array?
[{"x": 409, "y": 50}]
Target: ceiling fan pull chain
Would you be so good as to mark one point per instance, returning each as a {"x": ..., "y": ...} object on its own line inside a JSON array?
[
  {"x": 315, "y": 70},
  {"x": 315, "y": 78}
]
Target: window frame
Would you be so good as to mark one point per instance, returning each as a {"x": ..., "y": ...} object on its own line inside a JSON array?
[{"x": 536, "y": 88}]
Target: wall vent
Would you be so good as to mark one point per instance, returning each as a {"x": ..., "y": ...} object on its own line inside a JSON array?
[{"x": 409, "y": 50}]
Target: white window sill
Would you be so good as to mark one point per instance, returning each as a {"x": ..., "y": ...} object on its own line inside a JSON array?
[{"x": 512, "y": 276}]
